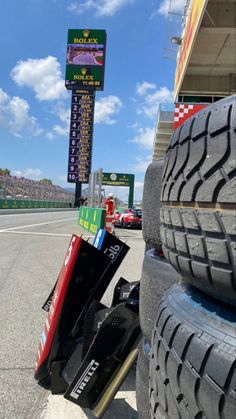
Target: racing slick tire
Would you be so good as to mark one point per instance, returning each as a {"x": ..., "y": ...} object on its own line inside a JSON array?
[
  {"x": 156, "y": 277},
  {"x": 192, "y": 363},
  {"x": 198, "y": 226},
  {"x": 151, "y": 204},
  {"x": 142, "y": 381}
]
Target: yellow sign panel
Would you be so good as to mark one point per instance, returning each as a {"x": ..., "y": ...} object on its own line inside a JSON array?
[{"x": 197, "y": 9}]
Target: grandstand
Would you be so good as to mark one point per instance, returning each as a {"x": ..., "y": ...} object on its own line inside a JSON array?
[{"x": 20, "y": 188}]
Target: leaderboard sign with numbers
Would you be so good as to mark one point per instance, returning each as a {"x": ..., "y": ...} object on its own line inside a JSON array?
[{"x": 81, "y": 136}]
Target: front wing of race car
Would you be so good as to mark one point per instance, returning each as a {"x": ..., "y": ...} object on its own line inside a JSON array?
[{"x": 86, "y": 349}]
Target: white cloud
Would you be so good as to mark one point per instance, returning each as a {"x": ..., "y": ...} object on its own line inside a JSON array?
[
  {"x": 144, "y": 137},
  {"x": 14, "y": 115},
  {"x": 171, "y": 6},
  {"x": 57, "y": 130},
  {"x": 3, "y": 97},
  {"x": 152, "y": 101},
  {"x": 30, "y": 173},
  {"x": 142, "y": 88},
  {"x": 105, "y": 108},
  {"x": 142, "y": 163},
  {"x": 101, "y": 7},
  {"x": 60, "y": 130},
  {"x": 43, "y": 75}
]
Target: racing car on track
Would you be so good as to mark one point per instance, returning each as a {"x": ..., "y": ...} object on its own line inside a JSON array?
[{"x": 128, "y": 218}]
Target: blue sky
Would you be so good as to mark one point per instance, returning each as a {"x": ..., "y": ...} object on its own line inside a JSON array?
[{"x": 35, "y": 106}]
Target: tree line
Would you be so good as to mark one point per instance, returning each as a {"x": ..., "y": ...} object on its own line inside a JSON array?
[{"x": 5, "y": 171}]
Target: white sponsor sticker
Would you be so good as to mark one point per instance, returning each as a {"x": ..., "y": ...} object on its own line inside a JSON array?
[{"x": 84, "y": 379}]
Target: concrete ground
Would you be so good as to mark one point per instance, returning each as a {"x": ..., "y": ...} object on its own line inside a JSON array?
[{"x": 124, "y": 405}]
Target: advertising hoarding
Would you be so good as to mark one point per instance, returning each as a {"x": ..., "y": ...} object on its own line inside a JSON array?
[
  {"x": 81, "y": 136},
  {"x": 197, "y": 9},
  {"x": 85, "y": 59},
  {"x": 117, "y": 179},
  {"x": 120, "y": 179}
]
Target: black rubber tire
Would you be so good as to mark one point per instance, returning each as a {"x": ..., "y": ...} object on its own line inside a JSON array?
[
  {"x": 142, "y": 383},
  {"x": 198, "y": 197},
  {"x": 156, "y": 277},
  {"x": 151, "y": 204},
  {"x": 192, "y": 364}
]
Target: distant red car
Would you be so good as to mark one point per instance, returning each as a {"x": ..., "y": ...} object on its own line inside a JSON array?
[{"x": 128, "y": 218}]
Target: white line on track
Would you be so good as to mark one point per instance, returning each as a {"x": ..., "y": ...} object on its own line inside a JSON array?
[
  {"x": 36, "y": 225},
  {"x": 23, "y": 214},
  {"x": 35, "y": 233}
]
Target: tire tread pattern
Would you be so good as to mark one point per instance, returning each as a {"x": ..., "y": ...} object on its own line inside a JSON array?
[
  {"x": 192, "y": 372},
  {"x": 199, "y": 237},
  {"x": 211, "y": 135}
]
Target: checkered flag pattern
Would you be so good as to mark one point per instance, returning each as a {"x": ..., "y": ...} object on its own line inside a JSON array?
[{"x": 184, "y": 111}]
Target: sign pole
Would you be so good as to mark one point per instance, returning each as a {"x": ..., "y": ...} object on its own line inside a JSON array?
[
  {"x": 77, "y": 194},
  {"x": 131, "y": 192}
]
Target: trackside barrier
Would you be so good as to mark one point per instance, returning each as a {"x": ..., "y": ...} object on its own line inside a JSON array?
[
  {"x": 92, "y": 219},
  {"x": 23, "y": 203},
  {"x": 109, "y": 223}
]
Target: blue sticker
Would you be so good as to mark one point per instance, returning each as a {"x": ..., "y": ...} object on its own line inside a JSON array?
[{"x": 98, "y": 239}]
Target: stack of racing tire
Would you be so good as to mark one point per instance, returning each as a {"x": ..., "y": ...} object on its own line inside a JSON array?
[
  {"x": 156, "y": 277},
  {"x": 192, "y": 359}
]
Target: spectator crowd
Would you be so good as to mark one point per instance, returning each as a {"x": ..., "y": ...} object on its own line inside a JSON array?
[{"x": 14, "y": 187}]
